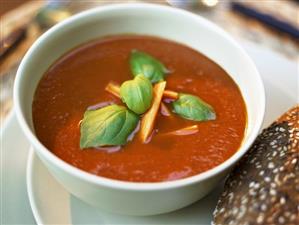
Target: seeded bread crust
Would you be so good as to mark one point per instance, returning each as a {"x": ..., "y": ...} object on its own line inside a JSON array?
[{"x": 264, "y": 187}]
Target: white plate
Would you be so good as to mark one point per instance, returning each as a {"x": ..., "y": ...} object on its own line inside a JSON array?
[
  {"x": 15, "y": 207},
  {"x": 51, "y": 204}
]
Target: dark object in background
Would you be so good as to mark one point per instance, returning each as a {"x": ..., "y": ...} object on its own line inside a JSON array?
[
  {"x": 46, "y": 16},
  {"x": 12, "y": 40},
  {"x": 267, "y": 19},
  {"x": 52, "y": 13},
  {"x": 6, "y": 5},
  {"x": 264, "y": 187}
]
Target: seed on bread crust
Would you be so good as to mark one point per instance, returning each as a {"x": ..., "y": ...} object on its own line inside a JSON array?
[{"x": 264, "y": 187}]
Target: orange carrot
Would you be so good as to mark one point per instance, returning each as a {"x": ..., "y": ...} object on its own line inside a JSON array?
[
  {"x": 148, "y": 120},
  {"x": 113, "y": 88},
  {"x": 170, "y": 94},
  {"x": 184, "y": 131}
]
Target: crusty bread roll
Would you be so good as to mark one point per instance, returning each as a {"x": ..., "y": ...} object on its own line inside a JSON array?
[{"x": 264, "y": 187}]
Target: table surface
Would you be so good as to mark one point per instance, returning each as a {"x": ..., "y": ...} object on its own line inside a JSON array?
[{"x": 238, "y": 26}]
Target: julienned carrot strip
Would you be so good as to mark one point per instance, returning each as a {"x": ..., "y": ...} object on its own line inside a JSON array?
[
  {"x": 148, "y": 120},
  {"x": 113, "y": 88},
  {"x": 183, "y": 131},
  {"x": 170, "y": 94}
]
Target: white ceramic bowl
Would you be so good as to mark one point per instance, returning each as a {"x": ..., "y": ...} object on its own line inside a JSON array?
[{"x": 163, "y": 21}]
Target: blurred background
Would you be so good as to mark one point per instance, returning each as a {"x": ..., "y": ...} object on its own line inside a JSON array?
[{"x": 272, "y": 24}]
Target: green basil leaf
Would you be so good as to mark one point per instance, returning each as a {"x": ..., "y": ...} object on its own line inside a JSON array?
[
  {"x": 143, "y": 63},
  {"x": 193, "y": 108},
  {"x": 137, "y": 94},
  {"x": 107, "y": 126}
]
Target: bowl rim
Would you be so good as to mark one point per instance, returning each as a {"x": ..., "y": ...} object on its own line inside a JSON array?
[{"x": 128, "y": 185}]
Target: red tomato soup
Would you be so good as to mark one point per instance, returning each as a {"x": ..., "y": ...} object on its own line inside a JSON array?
[{"x": 77, "y": 81}]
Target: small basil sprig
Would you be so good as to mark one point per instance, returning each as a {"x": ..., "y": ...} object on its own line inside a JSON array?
[
  {"x": 110, "y": 125},
  {"x": 150, "y": 67},
  {"x": 137, "y": 94},
  {"x": 193, "y": 108}
]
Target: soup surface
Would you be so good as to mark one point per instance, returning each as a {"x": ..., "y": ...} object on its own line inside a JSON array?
[{"x": 77, "y": 81}]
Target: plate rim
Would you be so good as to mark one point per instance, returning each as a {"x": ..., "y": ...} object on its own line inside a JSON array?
[{"x": 30, "y": 187}]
